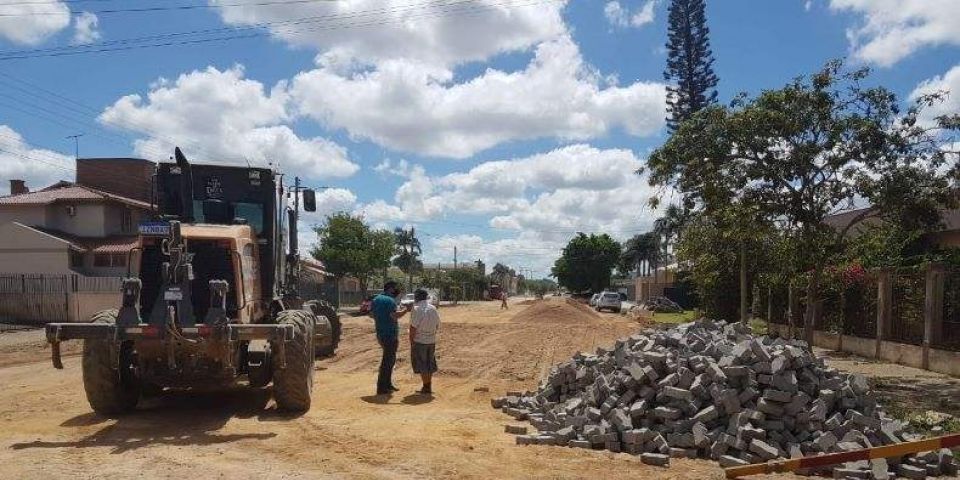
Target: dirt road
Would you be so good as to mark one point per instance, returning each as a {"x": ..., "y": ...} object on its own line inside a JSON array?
[{"x": 47, "y": 430}]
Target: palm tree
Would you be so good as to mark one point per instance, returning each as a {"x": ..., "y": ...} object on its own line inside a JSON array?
[
  {"x": 408, "y": 250},
  {"x": 641, "y": 252}
]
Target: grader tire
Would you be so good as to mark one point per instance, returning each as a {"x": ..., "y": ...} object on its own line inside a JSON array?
[
  {"x": 326, "y": 310},
  {"x": 293, "y": 385},
  {"x": 110, "y": 391}
]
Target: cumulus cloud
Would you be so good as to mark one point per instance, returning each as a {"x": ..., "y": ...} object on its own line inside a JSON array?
[
  {"x": 620, "y": 17},
  {"x": 220, "y": 116},
  {"x": 32, "y": 23},
  {"x": 534, "y": 255},
  {"x": 415, "y": 108},
  {"x": 86, "y": 29},
  {"x": 38, "y": 167},
  {"x": 434, "y": 32},
  {"x": 891, "y": 30},
  {"x": 949, "y": 82},
  {"x": 548, "y": 196}
]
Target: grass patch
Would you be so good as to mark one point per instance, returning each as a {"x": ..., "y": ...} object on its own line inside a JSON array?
[{"x": 675, "y": 318}]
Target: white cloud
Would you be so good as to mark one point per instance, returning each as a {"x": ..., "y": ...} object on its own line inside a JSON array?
[
  {"x": 412, "y": 107},
  {"x": 86, "y": 29},
  {"x": 439, "y": 33},
  {"x": 220, "y": 116},
  {"x": 20, "y": 161},
  {"x": 948, "y": 82},
  {"x": 620, "y": 17},
  {"x": 808, "y": 5},
  {"x": 32, "y": 23},
  {"x": 893, "y": 29},
  {"x": 548, "y": 196}
]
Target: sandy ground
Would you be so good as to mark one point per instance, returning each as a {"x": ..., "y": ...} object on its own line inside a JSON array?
[{"x": 48, "y": 431}]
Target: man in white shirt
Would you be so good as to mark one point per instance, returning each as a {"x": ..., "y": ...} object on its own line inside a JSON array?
[{"x": 424, "y": 323}]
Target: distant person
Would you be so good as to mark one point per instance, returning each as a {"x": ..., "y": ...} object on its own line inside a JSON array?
[
  {"x": 424, "y": 324},
  {"x": 385, "y": 316},
  {"x": 503, "y": 300}
]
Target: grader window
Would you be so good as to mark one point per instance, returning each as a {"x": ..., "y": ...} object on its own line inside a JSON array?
[{"x": 213, "y": 260}]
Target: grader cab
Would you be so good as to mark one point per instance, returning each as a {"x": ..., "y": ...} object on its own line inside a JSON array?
[{"x": 214, "y": 298}]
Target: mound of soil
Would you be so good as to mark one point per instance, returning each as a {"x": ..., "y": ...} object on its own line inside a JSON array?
[{"x": 552, "y": 311}]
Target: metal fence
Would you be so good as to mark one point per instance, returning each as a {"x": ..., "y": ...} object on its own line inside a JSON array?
[
  {"x": 36, "y": 298},
  {"x": 908, "y": 298},
  {"x": 950, "y": 337},
  {"x": 860, "y": 308}
]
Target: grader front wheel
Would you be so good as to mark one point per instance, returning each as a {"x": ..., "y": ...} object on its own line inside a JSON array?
[{"x": 293, "y": 377}]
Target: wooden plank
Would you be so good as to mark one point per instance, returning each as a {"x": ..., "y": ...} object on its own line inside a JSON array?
[{"x": 819, "y": 461}]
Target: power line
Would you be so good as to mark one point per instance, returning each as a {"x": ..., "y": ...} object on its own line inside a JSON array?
[
  {"x": 136, "y": 43},
  {"x": 158, "y": 9}
]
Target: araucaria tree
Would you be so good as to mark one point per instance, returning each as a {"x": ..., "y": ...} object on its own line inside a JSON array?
[
  {"x": 818, "y": 146},
  {"x": 587, "y": 262},
  {"x": 689, "y": 74}
]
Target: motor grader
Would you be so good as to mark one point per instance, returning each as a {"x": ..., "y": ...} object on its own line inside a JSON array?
[{"x": 212, "y": 298}]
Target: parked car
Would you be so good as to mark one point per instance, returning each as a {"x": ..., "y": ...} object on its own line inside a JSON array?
[
  {"x": 408, "y": 299},
  {"x": 608, "y": 300},
  {"x": 593, "y": 299}
]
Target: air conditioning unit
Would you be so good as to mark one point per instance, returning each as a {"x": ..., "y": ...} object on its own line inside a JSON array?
[{"x": 71, "y": 210}]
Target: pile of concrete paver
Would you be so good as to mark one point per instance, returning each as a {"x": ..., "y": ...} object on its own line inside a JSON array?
[{"x": 713, "y": 390}]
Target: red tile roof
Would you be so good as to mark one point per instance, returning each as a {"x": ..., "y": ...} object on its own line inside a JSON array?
[
  {"x": 63, "y": 191},
  {"x": 114, "y": 244}
]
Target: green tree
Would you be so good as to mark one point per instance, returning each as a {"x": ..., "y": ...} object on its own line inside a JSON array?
[
  {"x": 640, "y": 253},
  {"x": 689, "y": 74},
  {"x": 349, "y": 247},
  {"x": 587, "y": 262},
  {"x": 796, "y": 155},
  {"x": 407, "y": 250}
]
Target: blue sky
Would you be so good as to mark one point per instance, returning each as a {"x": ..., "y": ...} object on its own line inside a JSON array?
[{"x": 498, "y": 126}]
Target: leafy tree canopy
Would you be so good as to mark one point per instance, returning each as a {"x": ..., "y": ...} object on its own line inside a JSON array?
[
  {"x": 587, "y": 262},
  {"x": 349, "y": 247}
]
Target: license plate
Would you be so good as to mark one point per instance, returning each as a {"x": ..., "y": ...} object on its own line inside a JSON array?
[
  {"x": 173, "y": 295},
  {"x": 155, "y": 229}
]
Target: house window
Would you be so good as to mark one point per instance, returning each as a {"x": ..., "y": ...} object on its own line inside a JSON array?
[
  {"x": 105, "y": 260},
  {"x": 126, "y": 221}
]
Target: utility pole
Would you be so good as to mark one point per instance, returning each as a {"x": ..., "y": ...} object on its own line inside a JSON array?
[
  {"x": 454, "y": 257},
  {"x": 76, "y": 145}
]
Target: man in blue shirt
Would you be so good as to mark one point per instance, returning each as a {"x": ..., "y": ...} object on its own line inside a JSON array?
[{"x": 385, "y": 316}]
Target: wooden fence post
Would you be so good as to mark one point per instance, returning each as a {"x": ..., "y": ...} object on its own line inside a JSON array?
[
  {"x": 884, "y": 306},
  {"x": 932, "y": 310}
]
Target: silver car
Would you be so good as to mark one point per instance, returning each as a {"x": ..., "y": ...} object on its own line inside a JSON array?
[{"x": 609, "y": 301}]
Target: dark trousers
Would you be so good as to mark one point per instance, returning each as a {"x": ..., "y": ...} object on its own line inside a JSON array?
[{"x": 389, "y": 359}]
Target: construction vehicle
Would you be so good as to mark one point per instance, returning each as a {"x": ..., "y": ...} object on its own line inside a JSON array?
[{"x": 213, "y": 299}]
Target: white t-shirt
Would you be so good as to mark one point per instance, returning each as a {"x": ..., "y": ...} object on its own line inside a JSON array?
[{"x": 426, "y": 320}]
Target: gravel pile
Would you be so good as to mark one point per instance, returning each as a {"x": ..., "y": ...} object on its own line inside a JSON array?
[{"x": 713, "y": 390}]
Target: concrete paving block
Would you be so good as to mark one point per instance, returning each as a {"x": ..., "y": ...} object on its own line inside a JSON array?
[
  {"x": 911, "y": 472},
  {"x": 764, "y": 449},
  {"x": 731, "y": 461},
  {"x": 879, "y": 469},
  {"x": 655, "y": 459},
  {"x": 707, "y": 415},
  {"x": 678, "y": 393},
  {"x": 516, "y": 429},
  {"x": 579, "y": 444},
  {"x": 850, "y": 473},
  {"x": 826, "y": 441},
  {"x": 777, "y": 395}
]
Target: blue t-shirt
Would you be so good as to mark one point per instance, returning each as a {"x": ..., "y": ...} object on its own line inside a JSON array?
[{"x": 382, "y": 308}]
